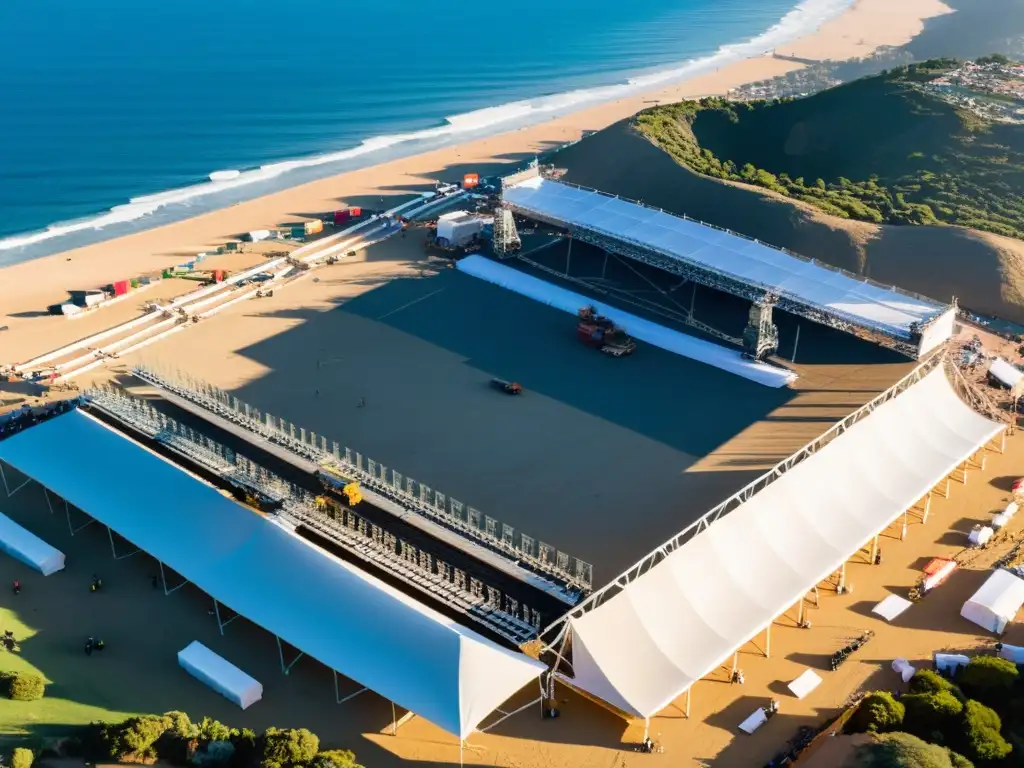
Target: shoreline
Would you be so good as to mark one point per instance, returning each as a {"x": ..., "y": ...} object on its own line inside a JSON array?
[{"x": 30, "y": 285}]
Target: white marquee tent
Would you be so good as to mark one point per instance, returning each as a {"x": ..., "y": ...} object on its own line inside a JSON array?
[
  {"x": 328, "y": 609},
  {"x": 29, "y": 548},
  {"x": 220, "y": 674},
  {"x": 813, "y": 284},
  {"x": 996, "y": 603},
  {"x": 687, "y": 615},
  {"x": 730, "y": 360}
]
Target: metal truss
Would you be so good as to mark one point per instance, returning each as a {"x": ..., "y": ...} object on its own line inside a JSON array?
[
  {"x": 638, "y": 569},
  {"x": 754, "y": 292}
]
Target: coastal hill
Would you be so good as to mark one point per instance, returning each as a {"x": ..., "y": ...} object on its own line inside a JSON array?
[{"x": 880, "y": 176}]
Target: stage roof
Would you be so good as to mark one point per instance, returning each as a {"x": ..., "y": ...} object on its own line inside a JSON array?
[
  {"x": 863, "y": 303},
  {"x": 641, "y": 648},
  {"x": 328, "y": 609}
]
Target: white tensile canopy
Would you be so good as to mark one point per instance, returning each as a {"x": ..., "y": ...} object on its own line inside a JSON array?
[
  {"x": 322, "y": 606},
  {"x": 1005, "y": 373},
  {"x": 730, "y": 360},
  {"x": 865, "y": 303},
  {"x": 220, "y": 674},
  {"x": 644, "y": 646},
  {"x": 30, "y": 549},
  {"x": 996, "y": 603}
]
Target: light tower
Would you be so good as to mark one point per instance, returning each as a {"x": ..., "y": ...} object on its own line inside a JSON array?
[{"x": 506, "y": 236}]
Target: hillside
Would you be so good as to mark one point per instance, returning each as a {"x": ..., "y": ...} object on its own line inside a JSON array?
[
  {"x": 985, "y": 272},
  {"x": 884, "y": 149}
]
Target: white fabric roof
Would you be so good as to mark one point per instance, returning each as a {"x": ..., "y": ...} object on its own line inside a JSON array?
[
  {"x": 644, "y": 646},
  {"x": 328, "y": 609},
  {"x": 657, "y": 335},
  {"x": 29, "y": 548},
  {"x": 1005, "y": 372},
  {"x": 746, "y": 260},
  {"x": 996, "y": 603},
  {"x": 220, "y": 674}
]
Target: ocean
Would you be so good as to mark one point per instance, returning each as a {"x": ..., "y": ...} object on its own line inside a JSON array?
[{"x": 120, "y": 115}]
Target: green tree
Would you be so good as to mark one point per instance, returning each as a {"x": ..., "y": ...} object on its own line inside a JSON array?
[
  {"x": 22, "y": 758},
  {"x": 22, "y": 686},
  {"x": 981, "y": 738},
  {"x": 285, "y": 748},
  {"x": 877, "y": 712},
  {"x": 933, "y": 713},
  {"x": 335, "y": 758},
  {"x": 904, "y": 750},
  {"x": 988, "y": 679}
]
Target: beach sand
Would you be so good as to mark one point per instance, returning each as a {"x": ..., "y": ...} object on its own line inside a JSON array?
[{"x": 30, "y": 286}]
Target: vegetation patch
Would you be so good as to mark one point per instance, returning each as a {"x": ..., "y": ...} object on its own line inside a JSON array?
[{"x": 882, "y": 149}]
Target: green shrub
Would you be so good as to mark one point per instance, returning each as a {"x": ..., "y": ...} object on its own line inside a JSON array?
[
  {"x": 22, "y": 758},
  {"x": 877, "y": 712},
  {"x": 928, "y": 713},
  {"x": 179, "y": 741},
  {"x": 959, "y": 761},
  {"x": 927, "y": 681},
  {"x": 981, "y": 738},
  {"x": 22, "y": 686},
  {"x": 902, "y": 750},
  {"x": 335, "y": 758},
  {"x": 212, "y": 730},
  {"x": 134, "y": 740},
  {"x": 283, "y": 748},
  {"x": 988, "y": 679}
]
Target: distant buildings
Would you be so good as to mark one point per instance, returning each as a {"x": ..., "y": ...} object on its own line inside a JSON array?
[{"x": 991, "y": 90}]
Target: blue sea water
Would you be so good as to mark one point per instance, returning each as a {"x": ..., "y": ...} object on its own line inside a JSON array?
[{"x": 115, "y": 113}]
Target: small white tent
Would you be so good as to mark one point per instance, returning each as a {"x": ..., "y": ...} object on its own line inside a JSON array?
[
  {"x": 996, "y": 604},
  {"x": 29, "y": 548},
  {"x": 221, "y": 675}
]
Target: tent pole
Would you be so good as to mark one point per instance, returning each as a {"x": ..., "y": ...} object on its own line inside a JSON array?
[
  {"x": 67, "y": 511},
  {"x": 220, "y": 624},
  {"x": 735, "y": 662},
  {"x": 337, "y": 693},
  {"x": 4, "y": 478},
  {"x": 768, "y": 641},
  {"x": 460, "y": 753},
  {"x": 800, "y": 614},
  {"x": 874, "y": 550},
  {"x": 842, "y": 578},
  {"x": 110, "y": 535},
  {"x": 688, "y": 697},
  {"x": 394, "y": 720},
  {"x": 927, "y": 507},
  {"x": 947, "y": 486},
  {"x": 568, "y": 257},
  {"x": 903, "y": 530},
  {"x": 163, "y": 576},
  {"x": 46, "y": 496},
  {"x": 647, "y": 727},
  {"x": 280, "y": 653},
  {"x": 796, "y": 342}
]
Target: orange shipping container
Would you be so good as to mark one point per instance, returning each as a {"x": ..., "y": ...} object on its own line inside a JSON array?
[
  {"x": 313, "y": 227},
  {"x": 470, "y": 180}
]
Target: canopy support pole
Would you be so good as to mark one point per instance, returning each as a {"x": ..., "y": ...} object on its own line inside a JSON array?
[
  {"x": 903, "y": 530},
  {"x": 799, "y": 618},
  {"x": 163, "y": 579},
  {"x": 46, "y": 495},
  {"x": 280, "y": 652},
  {"x": 113, "y": 549},
  {"x": 505, "y": 715},
  {"x": 735, "y": 662},
  {"x": 222, "y": 624},
  {"x": 460, "y": 753},
  {"x": 568, "y": 256},
  {"x": 927, "y": 507},
  {"x": 7, "y": 487},
  {"x": 337, "y": 693},
  {"x": 842, "y": 577},
  {"x": 67, "y": 511},
  {"x": 874, "y": 550},
  {"x": 689, "y": 695},
  {"x": 647, "y": 726},
  {"x": 947, "y": 486},
  {"x": 1002, "y": 443},
  {"x": 394, "y": 720},
  {"x": 796, "y": 343},
  {"x": 767, "y": 648}
]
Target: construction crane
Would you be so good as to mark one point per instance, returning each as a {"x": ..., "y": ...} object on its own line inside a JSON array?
[{"x": 600, "y": 332}]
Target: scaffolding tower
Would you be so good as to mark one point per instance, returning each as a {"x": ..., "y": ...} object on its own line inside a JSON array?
[
  {"x": 506, "y": 236},
  {"x": 761, "y": 336}
]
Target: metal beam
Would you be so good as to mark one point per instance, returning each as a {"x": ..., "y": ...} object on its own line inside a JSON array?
[{"x": 287, "y": 668}]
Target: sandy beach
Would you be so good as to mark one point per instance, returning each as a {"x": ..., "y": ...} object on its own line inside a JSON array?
[{"x": 28, "y": 287}]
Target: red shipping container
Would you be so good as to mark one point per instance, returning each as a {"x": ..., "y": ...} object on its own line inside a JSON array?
[
  {"x": 120, "y": 287},
  {"x": 355, "y": 212},
  {"x": 340, "y": 217}
]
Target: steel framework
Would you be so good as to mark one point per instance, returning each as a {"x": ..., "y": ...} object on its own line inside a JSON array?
[
  {"x": 754, "y": 292},
  {"x": 555, "y": 633}
]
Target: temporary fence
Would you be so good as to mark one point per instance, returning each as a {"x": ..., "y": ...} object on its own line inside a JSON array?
[{"x": 413, "y": 495}]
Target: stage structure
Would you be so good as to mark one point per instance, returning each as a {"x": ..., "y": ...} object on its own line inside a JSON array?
[
  {"x": 727, "y": 261},
  {"x": 312, "y": 602},
  {"x": 687, "y": 608},
  {"x": 542, "y": 565},
  {"x": 506, "y": 237},
  {"x": 473, "y": 599}
]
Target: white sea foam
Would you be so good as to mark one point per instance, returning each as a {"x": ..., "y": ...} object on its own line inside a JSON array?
[{"x": 803, "y": 19}]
